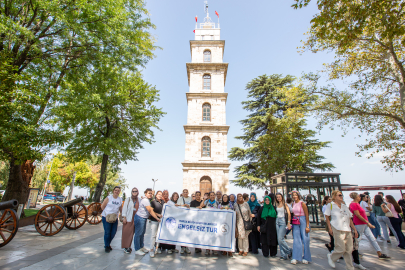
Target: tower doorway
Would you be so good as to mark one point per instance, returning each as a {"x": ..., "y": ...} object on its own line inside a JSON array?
[{"x": 205, "y": 185}]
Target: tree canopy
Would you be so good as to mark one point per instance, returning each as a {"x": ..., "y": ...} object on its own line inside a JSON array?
[
  {"x": 41, "y": 43},
  {"x": 367, "y": 38},
  {"x": 109, "y": 113},
  {"x": 274, "y": 134}
]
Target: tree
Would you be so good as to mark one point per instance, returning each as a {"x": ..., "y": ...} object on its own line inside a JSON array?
[
  {"x": 41, "y": 174},
  {"x": 4, "y": 168},
  {"x": 276, "y": 141},
  {"x": 42, "y": 42},
  {"x": 368, "y": 40},
  {"x": 113, "y": 113},
  {"x": 63, "y": 170}
]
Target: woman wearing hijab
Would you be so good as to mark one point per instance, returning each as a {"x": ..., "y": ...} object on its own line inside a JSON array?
[
  {"x": 242, "y": 210},
  {"x": 166, "y": 197},
  {"x": 225, "y": 203},
  {"x": 266, "y": 225},
  {"x": 254, "y": 236},
  {"x": 131, "y": 205}
]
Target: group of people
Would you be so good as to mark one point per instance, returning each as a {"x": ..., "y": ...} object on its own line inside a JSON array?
[
  {"x": 271, "y": 219},
  {"x": 346, "y": 225}
]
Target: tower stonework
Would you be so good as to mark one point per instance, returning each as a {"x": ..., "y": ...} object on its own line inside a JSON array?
[{"x": 206, "y": 167}]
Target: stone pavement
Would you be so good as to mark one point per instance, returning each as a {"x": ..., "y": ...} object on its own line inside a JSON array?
[{"x": 83, "y": 249}]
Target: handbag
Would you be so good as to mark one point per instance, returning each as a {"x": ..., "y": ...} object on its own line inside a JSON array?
[
  {"x": 296, "y": 220},
  {"x": 389, "y": 213},
  {"x": 248, "y": 225}
]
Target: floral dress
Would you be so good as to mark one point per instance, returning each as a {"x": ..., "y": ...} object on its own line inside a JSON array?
[{"x": 242, "y": 233}]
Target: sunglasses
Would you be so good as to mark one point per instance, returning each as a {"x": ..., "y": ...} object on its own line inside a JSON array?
[
  {"x": 340, "y": 195},
  {"x": 135, "y": 191}
]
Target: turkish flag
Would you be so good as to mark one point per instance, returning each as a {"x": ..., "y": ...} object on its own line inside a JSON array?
[
  {"x": 193, "y": 31},
  {"x": 196, "y": 18},
  {"x": 216, "y": 13}
]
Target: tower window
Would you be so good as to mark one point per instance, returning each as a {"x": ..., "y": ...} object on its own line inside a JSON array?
[
  {"x": 206, "y": 146},
  {"x": 206, "y": 112},
  {"x": 207, "y": 82},
  {"x": 207, "y": 56}
]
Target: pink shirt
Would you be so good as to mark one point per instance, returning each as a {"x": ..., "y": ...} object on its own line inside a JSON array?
[
  {"x": 355, "y": 206},
  {"x": 297, "y": 209},
  {"x": 395, "y": 213}
]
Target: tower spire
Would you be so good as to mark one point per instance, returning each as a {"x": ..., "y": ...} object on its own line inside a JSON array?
[{"x": 206, "y": 9}]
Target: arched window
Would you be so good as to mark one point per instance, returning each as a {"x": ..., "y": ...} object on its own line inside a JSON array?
[
  {"x": 207, "y": 82},
  {"x": 206, "y": 146},
  {"x": 206, "y": 115},
  {"x": 207, "y": 56}
]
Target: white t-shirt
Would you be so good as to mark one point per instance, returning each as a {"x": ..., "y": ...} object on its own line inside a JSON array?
[
  {"x": 183, "y": 200},
  {"x": 142, "y": 211},
  {"x": 340, "y": 216},
  {"x": 113, "y": 206},
  {"x": 364, "y": 205},
  {"x": 323, "y": 209}
]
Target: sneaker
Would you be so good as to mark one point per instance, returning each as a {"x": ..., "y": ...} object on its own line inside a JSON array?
[
  {"x": 145, "y": 250},
  {"x": 215, "y": 252},
  {"x": 130, "y": 249},
  {"x": 159, "y": 251},
  {"x": 293, "y": 261},
  {"x": 331, "y": 263},
  {"x": 175, "y": 250},
  {"x": 127, "y": 251},
  {"x": 384, "y": 257},
  {"x": 170, "y": 251},
  {"x": 107, "y": 250},
  {"x": 305, "y": 261},
  {"x": 283, "y": 258},
  {"x": 182, "y": 250},
  {"x": 207, "y": 252},
  {"x": 152, "y": 254},
  {"x": 359, "y": 266},
  {"x": 139, "y": 252},
  {"x": 187, "y": 250},
  {"x": 110, "y": 248}
]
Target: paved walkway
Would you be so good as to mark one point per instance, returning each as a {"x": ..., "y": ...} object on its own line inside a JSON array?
[{"x": 83, "y": 249}]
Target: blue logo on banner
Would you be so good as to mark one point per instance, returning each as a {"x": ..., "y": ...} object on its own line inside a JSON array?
[
  {"x": 224, "y": 228},
  {"x": 170, "y": 223}
]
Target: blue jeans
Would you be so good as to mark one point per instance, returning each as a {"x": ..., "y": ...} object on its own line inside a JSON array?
[
  {"x": 301, "y": 239},
  {"x": 110, "y": 229},
  {"x": 384, "y": 222},
  {"x": 140, "y": 228},
  {"x": 373, "y": 220},
  {"x": 281, "y": 229}
]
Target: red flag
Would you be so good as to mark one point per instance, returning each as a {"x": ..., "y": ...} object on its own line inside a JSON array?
[
  {"x": 193, "y": 31},
  {"x": 196, "y": 18},
  {"x": 216, "y": 13}
]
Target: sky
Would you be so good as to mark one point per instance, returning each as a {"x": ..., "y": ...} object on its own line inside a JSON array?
[{"x": 261, "y": 37}]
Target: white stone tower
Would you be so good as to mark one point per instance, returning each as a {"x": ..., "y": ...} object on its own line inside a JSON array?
[{"x": 206, "y": 167}]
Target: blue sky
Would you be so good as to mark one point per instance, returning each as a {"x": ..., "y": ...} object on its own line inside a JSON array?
[{"x": 261, "y": 37}]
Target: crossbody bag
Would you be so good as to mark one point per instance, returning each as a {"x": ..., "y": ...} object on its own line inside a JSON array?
[
  {"x": 248, "y": 225},
  {"x": 296, "y": 220}
]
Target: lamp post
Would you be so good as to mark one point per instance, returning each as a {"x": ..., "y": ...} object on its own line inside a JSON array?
[
  {"x": 154, "y": 181},
  {"x": 47, "y": 178}
]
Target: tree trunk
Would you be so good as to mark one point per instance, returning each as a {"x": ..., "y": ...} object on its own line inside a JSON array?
[
  {"x": 103, "y": 178},
  {"x": 17, "y": 187}
]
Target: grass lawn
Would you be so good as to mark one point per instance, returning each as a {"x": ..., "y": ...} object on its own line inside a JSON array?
[{"x": 30, "y": 212}]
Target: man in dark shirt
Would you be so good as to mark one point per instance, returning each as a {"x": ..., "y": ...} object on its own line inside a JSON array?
[{"x": 197, "y": 204}]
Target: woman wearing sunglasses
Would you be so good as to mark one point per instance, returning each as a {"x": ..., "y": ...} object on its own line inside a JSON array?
[{"x": 131, "y": 205}]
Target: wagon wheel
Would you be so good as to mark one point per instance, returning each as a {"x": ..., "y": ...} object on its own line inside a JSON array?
[
  {"x": 8, "y": 226},
  {"x": 78, "y": 217},
  {"x": 94, "y": 211},
  {"x": 50, "y": 220}
]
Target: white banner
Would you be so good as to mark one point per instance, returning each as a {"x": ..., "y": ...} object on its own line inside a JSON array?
[{"x": 199, "y": 228}]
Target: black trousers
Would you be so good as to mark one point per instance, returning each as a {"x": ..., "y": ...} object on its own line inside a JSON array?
[
  {"x": 355, "y": 255},
  {"x": 266, "y": 248},
  {"x": 332, "y": 242},
  {"x": 254, "y": 241}
]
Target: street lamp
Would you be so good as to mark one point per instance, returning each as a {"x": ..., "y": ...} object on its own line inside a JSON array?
[{"x": 154, "y": 181}]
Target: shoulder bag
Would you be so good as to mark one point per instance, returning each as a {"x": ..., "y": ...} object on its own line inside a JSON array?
[
  {"x": 248, "y": 225},
  {"x": 389, "y": 213},
  {"x": 296, "y": 220}
]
